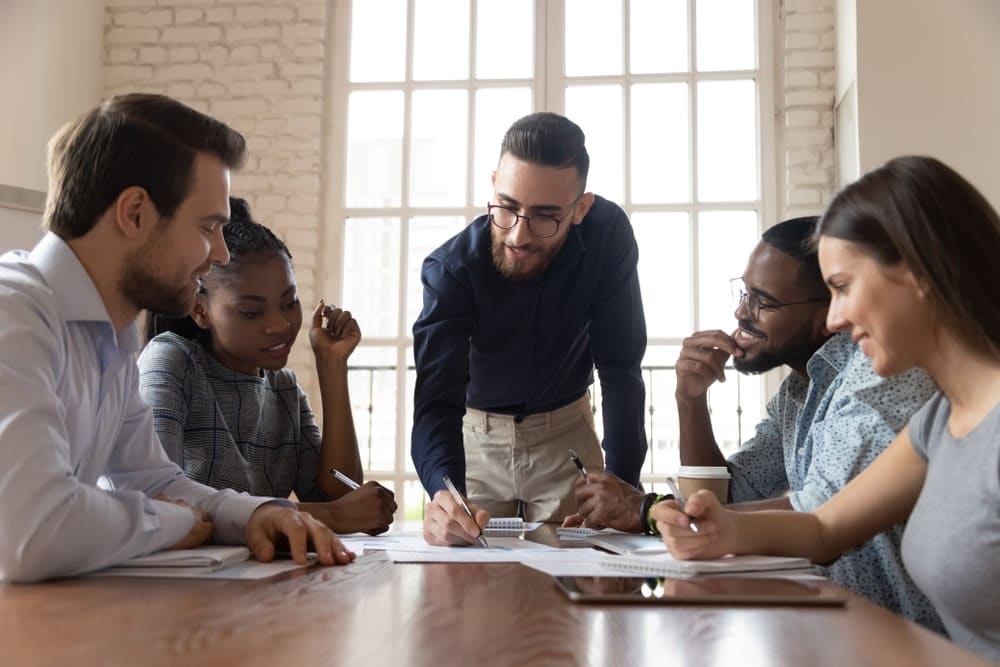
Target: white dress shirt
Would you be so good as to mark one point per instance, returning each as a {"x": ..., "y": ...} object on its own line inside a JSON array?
[{"x": 71, "y": 413}]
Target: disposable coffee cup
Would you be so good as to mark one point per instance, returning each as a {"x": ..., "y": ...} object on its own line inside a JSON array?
[{"x": 714, "y": 478}]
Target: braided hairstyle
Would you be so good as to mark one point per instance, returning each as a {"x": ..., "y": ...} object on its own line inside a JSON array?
[{"x": 248, "y": 242}]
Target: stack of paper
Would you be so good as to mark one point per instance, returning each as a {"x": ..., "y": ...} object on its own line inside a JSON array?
[{"x": 206, "y": 562}]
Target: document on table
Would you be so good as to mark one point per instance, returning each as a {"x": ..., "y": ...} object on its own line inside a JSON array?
[{"x": 207, "y": 562}]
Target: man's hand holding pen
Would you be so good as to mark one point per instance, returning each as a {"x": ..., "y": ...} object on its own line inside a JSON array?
[{"x": 446, "y": 523}]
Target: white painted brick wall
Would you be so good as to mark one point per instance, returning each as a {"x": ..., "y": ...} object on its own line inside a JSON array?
[
  {"x": 257, "y": 65},
  {"x": 807, "y": 84}
]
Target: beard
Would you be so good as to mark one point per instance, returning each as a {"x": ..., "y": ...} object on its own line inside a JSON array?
[
  {"x": 147, "y": 291},
  {"x": 514, "y": 269},
  {"x": 798, "y": 349}
]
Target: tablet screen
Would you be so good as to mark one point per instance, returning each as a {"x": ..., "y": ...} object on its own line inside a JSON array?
[{"x": 756, "y": 590}]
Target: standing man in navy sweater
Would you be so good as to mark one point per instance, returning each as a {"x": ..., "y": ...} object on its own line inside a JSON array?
[{"x": 519, "y": 309}]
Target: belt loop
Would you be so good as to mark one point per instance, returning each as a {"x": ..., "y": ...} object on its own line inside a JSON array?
[{"x": 485, "y": 424}]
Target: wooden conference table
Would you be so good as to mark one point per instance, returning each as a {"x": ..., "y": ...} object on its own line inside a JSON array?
[{"x": 377, "y": 613}]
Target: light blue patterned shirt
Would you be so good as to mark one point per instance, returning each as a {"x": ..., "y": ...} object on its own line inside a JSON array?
[
  {"x": 70, "y": 414},
  {"x": 817, "y": 436}
]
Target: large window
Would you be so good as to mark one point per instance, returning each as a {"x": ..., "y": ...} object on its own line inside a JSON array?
[{"x": 673, "y": 96}]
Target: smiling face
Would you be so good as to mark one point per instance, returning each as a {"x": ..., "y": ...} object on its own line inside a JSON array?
[
  {"x": 883, "y": 307},
  {"x": 162, "y": 275},
  {"x": 532, "y": 189},
  {"x": 254, "y": 314},
  {"x": 779, "y": 335}
]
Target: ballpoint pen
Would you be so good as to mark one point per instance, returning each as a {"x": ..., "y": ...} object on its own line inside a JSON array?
[
  {"x": 345, "y": 479},
  {"x": 679, "y": 497},
  {"x": 579, "y": 465},
  {"x": 458, "y": 499}
]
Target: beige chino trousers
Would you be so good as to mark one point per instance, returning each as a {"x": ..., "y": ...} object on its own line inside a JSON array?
[{"x": 509, "y": 462}]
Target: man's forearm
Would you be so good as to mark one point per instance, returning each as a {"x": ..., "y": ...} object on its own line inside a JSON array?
[{"x": 697, "y": 441}]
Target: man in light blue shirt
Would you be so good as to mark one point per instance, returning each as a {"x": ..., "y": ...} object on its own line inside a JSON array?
[
  {"x": 831, "y": 417},
  {"x": 138, "y": 196}
]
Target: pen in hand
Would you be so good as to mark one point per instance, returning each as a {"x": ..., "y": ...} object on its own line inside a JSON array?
[
  {"x": 679, "y": 498},
  {"x": 579, "y": 465},
  {"x": 345, "y": 479},
  {"x": 458, "y": 498}
]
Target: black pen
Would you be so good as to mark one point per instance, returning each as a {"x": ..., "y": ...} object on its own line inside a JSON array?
[{"x": 579, "y": 465}]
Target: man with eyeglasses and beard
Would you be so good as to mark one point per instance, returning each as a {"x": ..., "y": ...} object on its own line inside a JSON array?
[
  {"x": 519, "y": 310},
  {"x": 831, "y": 417}
]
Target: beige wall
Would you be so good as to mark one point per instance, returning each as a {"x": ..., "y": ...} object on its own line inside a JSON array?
[
  {"x": 51, "y": 53},
  {"x": 928, "y": 82}
]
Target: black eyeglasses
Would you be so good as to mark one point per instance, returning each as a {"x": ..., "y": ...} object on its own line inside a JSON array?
[
  {"x": 755, "y": 303},
  {"x": 542, "y": 225}
]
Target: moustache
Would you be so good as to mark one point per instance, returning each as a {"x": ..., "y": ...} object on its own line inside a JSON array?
[{"x": 749, "y": 327}]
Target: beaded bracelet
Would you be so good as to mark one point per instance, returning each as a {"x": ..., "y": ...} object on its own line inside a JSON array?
[
  {"x": 648, "y": 522},
  {"x": 647, "y": 503}
]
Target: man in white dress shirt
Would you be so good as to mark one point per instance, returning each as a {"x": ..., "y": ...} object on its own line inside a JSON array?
[{"x": 138, "y": 195}]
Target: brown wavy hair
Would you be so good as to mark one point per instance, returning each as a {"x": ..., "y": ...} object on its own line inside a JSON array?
[{"x": 917, "y": 210}]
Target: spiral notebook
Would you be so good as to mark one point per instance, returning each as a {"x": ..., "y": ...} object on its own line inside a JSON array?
[
  {"x": 512, "y": 526},
  {"x": 665, "y": 565}
]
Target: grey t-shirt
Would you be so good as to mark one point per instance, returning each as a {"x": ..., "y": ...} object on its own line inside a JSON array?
[{"x": 951, "y": 546}]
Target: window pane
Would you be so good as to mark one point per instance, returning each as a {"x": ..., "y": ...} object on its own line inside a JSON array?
[
  {"x": 661, "y": 422},
  {"x": 593, "y": 37},
  {"x": 378, "y": 40},
  {"x": 372, "y": 383},
  {"x": 661, "y": 143},
  {"x": 374, "y": 148},
  {"x": 414, "y": 500},
  {"x": 433, "y": 57},
  {"x": 725, "y": 34},
  {"x": 438, "y": 150},
  {"x": 496, "y": 110},
  {"x": 658, "y": 36},
  {"x": 727, "y": 140},
  {"x": 505, "y": 46},
  {"x": 719, "y": 261},
  {"x": 371, "y": 274},
  {"x": 598, "y": 110},
  {"x": 411, "y": 385},
  {"x": 426, "y": 234},
  {"x": 664, "y": 272},
  {"x": 736, "y": 409}
]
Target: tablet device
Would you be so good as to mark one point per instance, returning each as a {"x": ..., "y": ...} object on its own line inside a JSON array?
[
  {"x": 724, "y": 590},
  {"x": 626, "y": 543}
]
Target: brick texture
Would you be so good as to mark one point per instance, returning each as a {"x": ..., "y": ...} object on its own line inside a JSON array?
[
  {"x": 257, "y": 65},
  {"x": 806, "y": 78}
]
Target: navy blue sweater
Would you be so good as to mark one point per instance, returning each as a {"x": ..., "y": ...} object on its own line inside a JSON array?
[{"x": 523, "y": 348}]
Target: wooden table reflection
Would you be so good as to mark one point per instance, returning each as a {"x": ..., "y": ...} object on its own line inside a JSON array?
[{"x": 377, "y": 613}]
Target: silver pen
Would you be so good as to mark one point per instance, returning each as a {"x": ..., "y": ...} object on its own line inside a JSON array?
[
  {"x": 458, "y": 499},
  {"x": 345, "y": 479},
  {"x": 679, "y": 497}
]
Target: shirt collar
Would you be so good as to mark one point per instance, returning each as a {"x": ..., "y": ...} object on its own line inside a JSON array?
[
  {"x": 835, "y": 353},
  {"x": 74, "y": 290}
]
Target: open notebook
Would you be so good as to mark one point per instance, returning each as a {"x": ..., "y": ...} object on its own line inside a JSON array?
[{"x": 665, "y": 565}]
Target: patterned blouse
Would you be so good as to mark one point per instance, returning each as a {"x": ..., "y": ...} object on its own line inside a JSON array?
[
  {"x": 819, "y": 434},
  {"x": 230, "y": 430}
]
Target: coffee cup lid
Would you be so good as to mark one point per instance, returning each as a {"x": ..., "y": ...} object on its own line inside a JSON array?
[{"x": 704, "y": 472}]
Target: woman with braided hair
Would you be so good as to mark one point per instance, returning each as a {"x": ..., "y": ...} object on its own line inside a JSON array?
[{"x": 226, "y": 408}]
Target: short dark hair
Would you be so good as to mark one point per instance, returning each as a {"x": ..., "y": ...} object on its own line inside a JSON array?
[
  {"x": 550, "y": 140},
  {"x": 919, "y": 211},
  {"x": 149, "y": 141},
  {"x": 247, "y": 240},
  {"x": 794, "y": 237}
]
